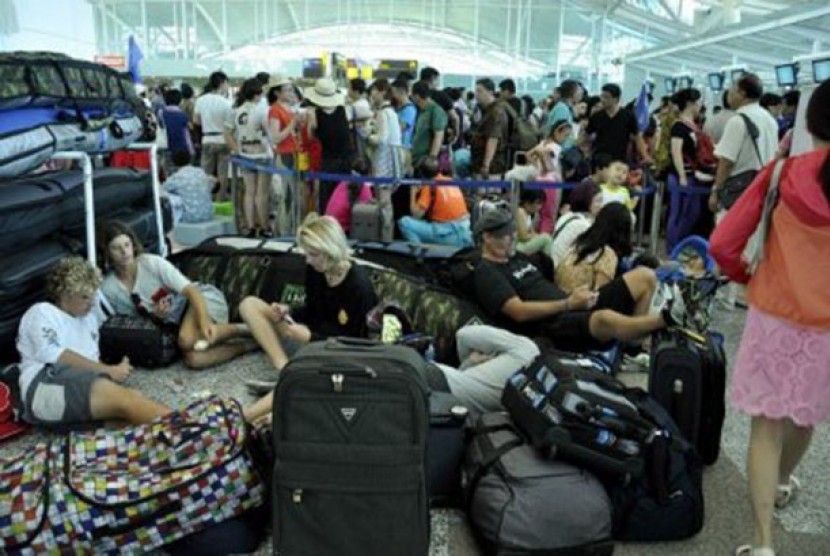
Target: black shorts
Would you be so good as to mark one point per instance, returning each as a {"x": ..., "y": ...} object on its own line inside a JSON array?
[{"x": 571, "y": 331}]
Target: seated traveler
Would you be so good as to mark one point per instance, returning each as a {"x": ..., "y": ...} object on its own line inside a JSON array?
[
  {"x": 585, "y": 203},
  {"x": 137, "y": 283},
  {"x": 439, "y": 214},
  {"x": 593, "y": 260},
  {"x": 339, "y": 294},
  {"x": 62, "y": 382},
  {"x": 518, "y": 297}
]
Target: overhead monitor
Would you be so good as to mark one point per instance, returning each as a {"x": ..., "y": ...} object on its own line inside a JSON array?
[
  {"x": 312, "y": 68},
  {"x": 716, "y": 81},
  {"x": 786, "y": 75},
  {"x": 684, "y": 82},
  {"x": 736, "y": 74},
  {"x": 670, "y": 85},
  {"x": 390, "y": 69},
  {"x": 821, "y": 70}
]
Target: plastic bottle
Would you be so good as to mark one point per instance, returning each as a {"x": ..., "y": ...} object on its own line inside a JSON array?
[
  {"x": 610, "y": 440},
  {"x": 518, "y": 380}
]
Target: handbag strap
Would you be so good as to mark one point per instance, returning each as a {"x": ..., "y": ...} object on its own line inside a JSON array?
[
  {"x": 770, "y": 201},
  {"x": 752, "y": 131}
]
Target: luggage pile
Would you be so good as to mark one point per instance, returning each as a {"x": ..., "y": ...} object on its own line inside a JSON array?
[{"x": 50, "y": 102}]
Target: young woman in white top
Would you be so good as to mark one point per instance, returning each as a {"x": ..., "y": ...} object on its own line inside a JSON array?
[
  {"x": 585, "y": 203},
  {"x": 247, "y": 135},
  {"x": 136, "y": 283},
  {"x": 385, "y": 141},
  {"x": 62, "y": 382}
]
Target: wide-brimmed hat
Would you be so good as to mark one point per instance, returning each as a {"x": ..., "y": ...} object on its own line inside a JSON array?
[
  {"x": 278, "y": 81},
  {"x": 325, "y": 94}
]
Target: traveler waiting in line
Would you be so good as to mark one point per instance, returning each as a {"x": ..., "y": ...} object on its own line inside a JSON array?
[
  {"x": 489, "y": 142},
  {"x": 517, "y": 296},
  {"x": 489, "y": 357},
  {"x": 585, "y": 202},
  {"x": 737, "y": 152},
  {"x": 716, "y": 124},
  {"x": 246, "y": 134},
  {"x": 439, "y": 214},
  {"x": 62, "y": 382},
  {"x": 327, "y": 121},
  {"x": 339, "y": 295},
  {"x": 594, "y": 259},
  {"x": 529, "y": 241},
  {"x": 429, "y": 127},
  {"x": 430, "y": 76},
  {"x": 385, "y": 152},
  {"x": 210, "y": 112},
  {"x": 781, "y": 374},
  {"x": 507, "y": 93},
  {"x": 283, "y": 126},
  {"x": 572, "y": 93},
  {"x": 613, "y": 129},
  {"x": 176, "y": 125},
  {"x": 139, "y": 284},
  {"x": 684, "y": 208}
]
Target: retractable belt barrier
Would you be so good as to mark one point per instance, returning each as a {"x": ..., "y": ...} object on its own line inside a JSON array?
[{"x": 513, "y": 186}]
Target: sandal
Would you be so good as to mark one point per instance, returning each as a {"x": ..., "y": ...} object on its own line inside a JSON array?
[
  {"x": 784, "y": 494},
  {"x": 749, "y": 550}
]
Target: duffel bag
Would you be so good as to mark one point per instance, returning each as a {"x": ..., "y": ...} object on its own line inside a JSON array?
[
  {"x": 130, "y": 490},
  {"x": 519, "y": 502},
  {"x": 146, "y": 343}
]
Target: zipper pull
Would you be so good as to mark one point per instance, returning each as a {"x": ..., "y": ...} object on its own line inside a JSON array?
[
  {"x": 297, "y": 496},
  {"x": 337, "y": 382}
]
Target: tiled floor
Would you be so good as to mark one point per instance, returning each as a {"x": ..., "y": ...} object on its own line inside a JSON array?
[{"x": 804, "y": 527}]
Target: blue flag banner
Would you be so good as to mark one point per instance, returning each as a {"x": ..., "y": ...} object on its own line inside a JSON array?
[
  {"x": 641, "y": 108},
  {"x": 134, "y": 58}
]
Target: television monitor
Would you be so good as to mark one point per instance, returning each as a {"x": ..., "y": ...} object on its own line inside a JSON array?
[
  {"x": 684, "y": 82},
  {"x": 821, "y": 70},
  {"x": 312, "y": 68},
  {"x": 736, "y": 74},
  {"x": 716, "y": 81},
  {"x": 785, "y": 74},
  {"x": 670, "y": 85}
]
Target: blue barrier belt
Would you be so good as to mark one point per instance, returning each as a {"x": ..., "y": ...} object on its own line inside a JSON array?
[{"x": 690, "y": 190}]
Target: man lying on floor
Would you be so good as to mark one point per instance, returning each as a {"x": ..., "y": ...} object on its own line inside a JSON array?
[
  {"x": 519, "y": 298},
  {"x": 489, "y": 356}
]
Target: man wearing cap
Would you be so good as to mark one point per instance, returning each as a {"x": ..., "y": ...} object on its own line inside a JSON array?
[{"x": 514, "y": 292}]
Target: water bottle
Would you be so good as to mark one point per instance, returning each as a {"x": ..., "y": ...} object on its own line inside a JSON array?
[
  {"x": 518, "y": 380},
  {"x": 605, "y": 438},
  {"x": 628, "y": 447},
  {"x": 429, "y": 354}
]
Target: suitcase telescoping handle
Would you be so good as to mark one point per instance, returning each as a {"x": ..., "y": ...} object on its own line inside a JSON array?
[{"x": 351, "y": 344}]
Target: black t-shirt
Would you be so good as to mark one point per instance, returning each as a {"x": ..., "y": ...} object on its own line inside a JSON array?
[
  {"x": 496, "y": 283},
  {"x": 337, "y": 311},
  {"x": 333, "y": 133},
  {"x": 613, "y": 135},
  {"x": 682, "y": 131}
]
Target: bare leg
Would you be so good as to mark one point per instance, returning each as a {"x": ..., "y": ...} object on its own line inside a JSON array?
[
  {"x": 256, "y": 314},
  {"x": 217, "y": 353},
  {"x": 249, "y": 181},
  {"x": 259, "y": 408},
  {"x": 765, "y": 444},
  {"x": 109, "y": 401},
  {"x": 642, "y": 283},
  {"x": 796, "y": 442},
  {"x": 263, "y": 199},
  {"x": 607, "y": 325}
]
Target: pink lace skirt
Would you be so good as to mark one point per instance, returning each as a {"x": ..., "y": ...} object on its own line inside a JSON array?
[{"x": 782, "y": 371}]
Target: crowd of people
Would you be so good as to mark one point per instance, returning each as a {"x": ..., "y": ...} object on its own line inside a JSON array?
[{"x": 589, "y": 302}]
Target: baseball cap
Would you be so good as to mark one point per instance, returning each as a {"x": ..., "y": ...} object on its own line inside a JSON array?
[{"x": 497, "y": 221}]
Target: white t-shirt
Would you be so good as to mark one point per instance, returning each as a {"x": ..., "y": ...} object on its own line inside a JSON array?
[
  {"x": 360, "y": 110},
  {"x": 46, "y": 331},
  {"x": 156, "y": 278},
  {"x": 249, "y": 124},
  {"x": 568, "y": 228},
  {"x": 213, "y": 110},
  {"x": 736, "y": 144}
]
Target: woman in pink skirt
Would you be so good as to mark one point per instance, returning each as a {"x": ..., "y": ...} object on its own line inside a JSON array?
[{"x": 782, "y": 375}]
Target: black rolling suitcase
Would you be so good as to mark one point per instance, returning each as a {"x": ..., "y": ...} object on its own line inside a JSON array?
[
  {"x": 688, "y": 378},
  {"x": 147, "y": 344},
  {"x": 447, "y": 420},
  {"x": 366, "y": 223},
  {"x": 350, "y": 428}
]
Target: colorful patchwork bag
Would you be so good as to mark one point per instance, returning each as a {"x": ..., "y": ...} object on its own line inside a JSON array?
[{"x": 131, "y": 490}]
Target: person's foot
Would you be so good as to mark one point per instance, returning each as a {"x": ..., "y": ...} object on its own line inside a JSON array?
[
  {"x": 668, "y": 303},
  {"x": 252, "y": 233},
  {"x": 266, "y": 234},
  {"x": 786, "y": 493},
  {"x": 749, "y": 550},
  {"x": 260, "y": 387}
]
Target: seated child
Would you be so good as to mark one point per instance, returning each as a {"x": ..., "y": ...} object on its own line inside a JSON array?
[
  {"x": 62, "y": 382},
  {"x": 529, "y": 241}
]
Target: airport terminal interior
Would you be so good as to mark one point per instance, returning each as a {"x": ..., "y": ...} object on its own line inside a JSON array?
[{"x": 410, "y": 277}]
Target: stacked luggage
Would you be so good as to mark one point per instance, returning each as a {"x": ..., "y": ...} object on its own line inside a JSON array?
[
  {"x": 50, "y": 102},
  {"x": 42, "y": 220}
]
